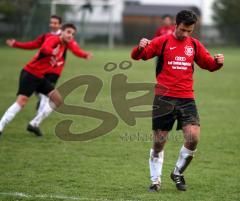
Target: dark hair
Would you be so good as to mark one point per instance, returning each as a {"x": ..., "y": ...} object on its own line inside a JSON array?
[
  {"x": 166, "y": 16},
  {"x": 57, "y": 17},
  {"x": 187, "y": 17},
  {"x": 69, "y": 25}
]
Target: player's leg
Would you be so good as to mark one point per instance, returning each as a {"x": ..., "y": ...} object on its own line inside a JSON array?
[
  {"x": 27, "y": 84},
  {"x": 43, "y": 99},
  {"x": 162, "y": 122},
  {"x": 191, "y": 137},
  {"x": 12, "y": 111},
  {"x": 55, "y": 98},
  {"x": 191, "y": 130},
  {"x": 156, "y": 158},
  {"x": 55, "y": 101},
  {"x": 44, "y": 109}
]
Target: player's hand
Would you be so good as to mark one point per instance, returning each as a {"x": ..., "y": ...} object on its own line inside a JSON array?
[
  {"x": 10, "y": 42},
  {"x": 89, "y": 55},
  {"x": 219, "y": 58},
  {"x": 144, "y": 42},
  {"x": 56, "y": 50}
]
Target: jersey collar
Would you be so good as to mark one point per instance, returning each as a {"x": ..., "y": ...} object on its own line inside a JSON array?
[{"x": 56, "y": 33}]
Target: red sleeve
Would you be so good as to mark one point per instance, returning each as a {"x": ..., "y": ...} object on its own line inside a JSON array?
[
  {"x": 153, "y": 49},
  {"x": 76, "y": 50},
  {"x": 49, "y": 45},
  {"x": 158, "y": 32},
  {"x": 204, "y": 59},
  {"x": 30, "y": 45}
]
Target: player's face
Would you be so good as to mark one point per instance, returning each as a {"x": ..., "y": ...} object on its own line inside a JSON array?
[
  {"x": 167, "y": 21},
  {"x": 182, "y": 31},
  {"x": 68, "y": 34},
  {"x": 54, "y": 24}
]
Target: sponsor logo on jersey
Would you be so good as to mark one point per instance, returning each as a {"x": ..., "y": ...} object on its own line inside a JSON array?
[{"x": 178, "y": 58}]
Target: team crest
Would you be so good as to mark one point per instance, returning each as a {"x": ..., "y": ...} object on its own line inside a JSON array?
[{"x": 188, "y": 50}]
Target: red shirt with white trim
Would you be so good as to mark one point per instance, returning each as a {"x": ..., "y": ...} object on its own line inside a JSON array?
[
  {"x": 45, "y": 62},
  {"x": 176, "y": 76},
  {"x": 164, "y": 30}
]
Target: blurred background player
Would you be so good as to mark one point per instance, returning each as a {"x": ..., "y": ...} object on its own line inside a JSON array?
[
  {"x": 53, "y": 76},
  {"x": 178, "y": 52},
  {"x": 167, "y": 26},
  {"x": 55, "y": 23}
]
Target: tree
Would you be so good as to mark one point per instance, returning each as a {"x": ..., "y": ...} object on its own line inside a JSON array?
[
  {"x": 227, "y": 18},
  {"x": 13, "y": 14},
  {"x": 25, "y": 18}
]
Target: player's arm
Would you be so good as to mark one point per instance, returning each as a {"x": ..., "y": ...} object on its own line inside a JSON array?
[
  {"x": 205, "y": 60},
  {"x": 76, "y": 50},
  {"x": 30, "y": 45},
  {"x": 147, "y": 49},
  {"x": 50, "y": 46}
]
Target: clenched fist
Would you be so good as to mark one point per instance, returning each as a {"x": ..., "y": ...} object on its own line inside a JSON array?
[
  {"x": 89, "y": 55},
  {"x": 10, "y": 42},
  {"x": 144, "y": 42},
  {"x": 219, "y": 58}
]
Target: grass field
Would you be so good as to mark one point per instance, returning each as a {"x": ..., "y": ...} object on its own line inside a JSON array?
[{"x": 114, "y": 167}]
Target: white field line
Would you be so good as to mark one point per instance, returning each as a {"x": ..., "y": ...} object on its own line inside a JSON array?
[{"x": 63, "y": 197}]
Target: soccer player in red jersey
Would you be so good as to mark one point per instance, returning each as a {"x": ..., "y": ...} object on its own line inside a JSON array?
[
  {"x": 174, "y": 96},
  {"x": 167, "y": 27},
  {"x": 50, "y": 56},
  {"x": 55, "y": 24},
  {"x": 53, "y": 76},
  {"x": 55, "y": 29},
  {"x": 44, "y": 109}
]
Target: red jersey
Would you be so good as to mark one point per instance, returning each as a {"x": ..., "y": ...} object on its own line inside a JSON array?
[
  {"x": 45, "y": 62},
  {"x": 177, "y": 58},
  {"x": 164, "y": 30}
]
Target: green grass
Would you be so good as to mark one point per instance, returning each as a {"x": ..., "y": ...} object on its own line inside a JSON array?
[{"x": 110, "y": 167}]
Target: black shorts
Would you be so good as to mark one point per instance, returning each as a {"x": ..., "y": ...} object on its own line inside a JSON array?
[
  {"x": 29, "y": 83},
  {"x": 52, "y": 78},
  {"x": 168, "y": 109}
]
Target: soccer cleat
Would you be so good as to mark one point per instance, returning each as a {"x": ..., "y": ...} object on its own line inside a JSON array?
[
  {"x": 154, "y": 187},
  {"x": 35, "y": 130},
  {"x": 179, "y": 181}
]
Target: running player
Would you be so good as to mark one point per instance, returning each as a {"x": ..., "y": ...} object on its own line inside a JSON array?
[
  {"x": 43, "y": 105},
  {"x": 48, "y": 58}
]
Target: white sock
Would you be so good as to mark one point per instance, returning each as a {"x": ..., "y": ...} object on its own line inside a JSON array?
[
  {"x": 44, "y": 111},
  {"x": 155, "y": 165},
  {"x": 9, "y": 115},
  {"x": 43, "y": 101},
  {"x": 185, "y": 157}
]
